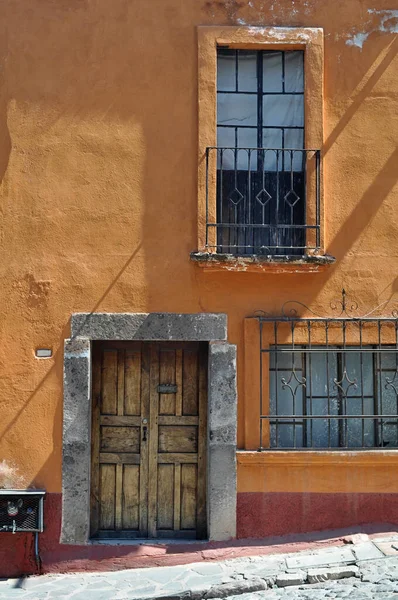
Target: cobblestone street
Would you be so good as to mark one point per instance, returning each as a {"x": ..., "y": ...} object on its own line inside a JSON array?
[{"x": 366, "y": 569}]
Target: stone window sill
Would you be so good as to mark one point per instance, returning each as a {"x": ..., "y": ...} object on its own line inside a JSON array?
[{"x": 310, "y": 263}]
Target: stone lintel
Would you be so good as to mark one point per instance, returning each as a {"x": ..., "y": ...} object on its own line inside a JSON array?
[{"x": 201, "y": 327}]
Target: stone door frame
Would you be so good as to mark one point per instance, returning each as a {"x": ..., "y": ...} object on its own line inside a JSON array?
[{"x": 222, "y": 410}]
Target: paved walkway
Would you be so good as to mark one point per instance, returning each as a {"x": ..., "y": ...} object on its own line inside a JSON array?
[{"x": 363, "y": 570}]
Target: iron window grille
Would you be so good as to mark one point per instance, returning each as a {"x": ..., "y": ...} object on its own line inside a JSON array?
[
  {"x": 328, "y": 383},
  {"x": 267, "y": 185}
]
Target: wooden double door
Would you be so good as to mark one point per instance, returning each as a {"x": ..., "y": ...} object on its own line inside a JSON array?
[{"x": 148, "y": 472}]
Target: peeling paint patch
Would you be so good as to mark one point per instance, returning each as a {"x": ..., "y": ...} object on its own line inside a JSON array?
[
  {"x": 388, "y": 24},
  {"x": 358, "y": 40},
  {"x": 386, "y": 16}
]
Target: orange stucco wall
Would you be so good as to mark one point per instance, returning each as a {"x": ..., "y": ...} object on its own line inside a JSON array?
[{"x": 98, "y": 208}]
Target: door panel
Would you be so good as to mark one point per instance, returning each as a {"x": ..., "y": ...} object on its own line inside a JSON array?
[
  {"x": 118, "y": 454},
  {"x": 149, "y": 440}
]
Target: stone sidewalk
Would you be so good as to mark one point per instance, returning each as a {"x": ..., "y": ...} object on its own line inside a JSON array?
[{"x": 268, "y": 576}]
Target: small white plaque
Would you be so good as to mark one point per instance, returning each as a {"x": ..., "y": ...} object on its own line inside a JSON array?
[{"x": 44, "y": 352}]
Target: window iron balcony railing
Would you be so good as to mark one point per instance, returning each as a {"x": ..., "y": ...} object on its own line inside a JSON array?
[{"x": 262, "y": 201}]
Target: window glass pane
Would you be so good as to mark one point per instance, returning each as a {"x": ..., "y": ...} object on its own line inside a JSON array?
[
  {"x": 286, "y": 399},
  {"x": 272, "y": 72},
  {"x": 388, "y": 360},
  {"x": 294, "y": 71},
  {"x": 247, "y": 138},
  {"x": 272, "y": 138},
  {"x": 322, "y": 433},
  {"x": 294, "y": 138},
  {"x": 321, "y": 372},
  {"x": 285, "y": 360},
  {"x": 388, "y": 387},
  {"x": 286, "y": 436},
  {"x": 247, "y": 71},
  {"x": 236, "y": 109},
  {"x": 359, "y": 432},
  {"x": 226, "y": 71},
  {"x": 226, "y": 138},
  {"x": 362, "y": 376},
  {"x": 283, "y": 110}
]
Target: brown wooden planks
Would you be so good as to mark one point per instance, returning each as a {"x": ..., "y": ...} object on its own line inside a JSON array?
[
  {"x": 116, "y": 458},
  {"x": 117, "y": 420},
  {"x": 131, "y": 497},
  {"x": 155, "y": 487},
  {"x": 201, "y": 510},
  {"x": 153, "y": 439},
  {"x": 172, "y": 420},
  {"x": 109, "y": 382},
  {"x": 178, "y": 438},
  {"x": 167, "y": 374},
  {"x": 120, "y": 382},
  {"x": 120, "y": 439},
  {"x": 165, "y": 495},
  {"x": 190, "y": 383},
  {"x": 188, "y": 496},
  {"x": 144, "y": 467},
  {"x": 176, "y": 457},
  {"x": 179, "y": 382},
  {"x": 95, "y": 443},
  {"x": 107, "y": 495},
  {"x": 177, "y": 497},
  {"x": 132, "y": 385},
  {"x": 118, "y": 497}
]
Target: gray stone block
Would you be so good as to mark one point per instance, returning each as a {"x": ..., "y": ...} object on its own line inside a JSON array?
[
  {"x": 222, "y": 492},
  {"x": 286, "y": 579},
  {"x": 333, "y": 573},
  {"x": 150, "y": 326},
  {"x": 76, "y": 449},
  {"x": 232, "y": 588},
  {"x": 222, "y": 394},
  {"x": 222, "y": 426},
  {"x": 366, "y": 551},
  {"x": 330, "y": 556}
]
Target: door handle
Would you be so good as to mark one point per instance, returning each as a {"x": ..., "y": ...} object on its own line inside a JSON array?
[{"x": 144, "y": 432}]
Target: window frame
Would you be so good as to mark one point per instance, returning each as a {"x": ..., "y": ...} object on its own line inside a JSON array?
[{"x": 308, "y": 39}]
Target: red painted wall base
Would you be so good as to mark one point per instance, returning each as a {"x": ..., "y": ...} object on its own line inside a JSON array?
[
  {"x": 279, "y": 513},
  {"x": 260, "y": 515}
]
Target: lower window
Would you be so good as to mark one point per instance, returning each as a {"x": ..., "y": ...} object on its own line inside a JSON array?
[{"x": 332, "y": 397}]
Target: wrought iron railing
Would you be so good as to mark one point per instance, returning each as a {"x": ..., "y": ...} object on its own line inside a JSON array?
[
  {"x": 262, "y": 201},
  {"x": 328, "y": 383}
]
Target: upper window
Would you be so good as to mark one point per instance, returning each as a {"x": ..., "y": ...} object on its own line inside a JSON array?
[
  {"x": 261, "y": 160},
  {"x": 260, "y": 186}
]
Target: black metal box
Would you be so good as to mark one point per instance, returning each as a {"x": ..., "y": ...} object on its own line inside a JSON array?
[{"x": 21, "y": 510}]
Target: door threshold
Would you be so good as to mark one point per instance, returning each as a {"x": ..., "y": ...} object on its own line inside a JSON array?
[{"x": 146, "y": 542}]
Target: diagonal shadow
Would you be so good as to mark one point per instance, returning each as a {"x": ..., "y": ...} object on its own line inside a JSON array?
[
  {"x": 64, "y": 335},
  {"x": 113, "y": 282},
  {"x": 366, "y": 208},
  {"x": 361, "y": 95}
]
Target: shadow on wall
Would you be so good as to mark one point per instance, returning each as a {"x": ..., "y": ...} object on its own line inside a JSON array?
[{"x": 108, "y": 72}]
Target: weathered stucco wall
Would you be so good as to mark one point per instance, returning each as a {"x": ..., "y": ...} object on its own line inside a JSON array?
[{"x": 98, "y": 163}]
